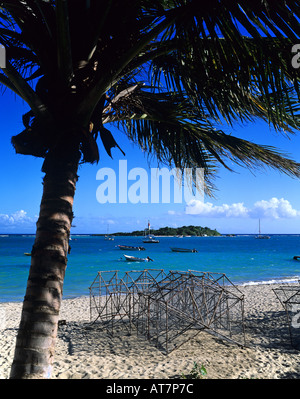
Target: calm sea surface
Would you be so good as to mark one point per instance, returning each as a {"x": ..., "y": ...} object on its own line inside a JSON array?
[{"x": 244, "y": 259}]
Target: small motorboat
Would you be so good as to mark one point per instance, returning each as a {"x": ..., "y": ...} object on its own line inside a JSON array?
[
  {"x": 296, "y": 257},
  {"x": 130, "y": 248},
  {"x": 175, "y": 249},
  {"x": 130, "y": 258},
  {"x": 27, "y": 253}
]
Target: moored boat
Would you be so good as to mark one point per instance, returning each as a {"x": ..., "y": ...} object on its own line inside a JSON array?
[
  {"x": 175, "y": 249},
  {"x": 130, "y": 248},
  {"x": 109, "y": 238},
  {"x": 130, "y": 258},
  {"x": 150, "y": 239},
  {"x": 261, "y": 236}
]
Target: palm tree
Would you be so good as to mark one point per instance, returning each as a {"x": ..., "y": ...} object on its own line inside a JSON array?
[{"x": 167, "y": 72}]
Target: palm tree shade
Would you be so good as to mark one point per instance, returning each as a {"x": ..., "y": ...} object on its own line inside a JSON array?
[{"x": 166, "y": 72}]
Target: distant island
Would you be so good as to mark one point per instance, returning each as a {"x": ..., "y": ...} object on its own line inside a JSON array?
[{"x": 197, "y": 231}]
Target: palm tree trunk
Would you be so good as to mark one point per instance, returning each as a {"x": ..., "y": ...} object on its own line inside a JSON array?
[{"x": 34, "y": 351}]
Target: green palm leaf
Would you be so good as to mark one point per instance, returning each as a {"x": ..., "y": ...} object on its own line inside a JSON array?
[{"x": 168, "y": 126}]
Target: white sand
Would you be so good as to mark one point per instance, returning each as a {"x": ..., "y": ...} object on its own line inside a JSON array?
[{"x": 83, "y": 351}]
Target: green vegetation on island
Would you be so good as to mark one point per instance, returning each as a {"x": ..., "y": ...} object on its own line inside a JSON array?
[{"x": 174, "y": 231}]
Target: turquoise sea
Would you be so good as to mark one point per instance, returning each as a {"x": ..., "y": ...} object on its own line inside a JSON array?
[{"x": 244, "y": 259}]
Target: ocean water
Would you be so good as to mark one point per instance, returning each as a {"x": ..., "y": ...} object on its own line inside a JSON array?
[{"x": 244, "y": 260}]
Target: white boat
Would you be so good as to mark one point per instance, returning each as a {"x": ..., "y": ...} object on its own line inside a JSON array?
[
  {"x": 108, "y": 237},
  {"x": 150, "y": 239},
  {"x": 175, "y": 249},
  {"x": 130, "y": 258},
  {"x": 261, "y": 236}
]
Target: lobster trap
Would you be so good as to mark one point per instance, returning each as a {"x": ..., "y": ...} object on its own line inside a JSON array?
[
  {"x": 289, "y": 297},
  {"x": 168, "y": 308}
]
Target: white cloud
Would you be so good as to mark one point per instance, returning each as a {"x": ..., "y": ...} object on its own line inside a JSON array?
[
  {"x": 18, "y": 218},
  {"x": 171, "y": 212},
  {"x": 195, "y": 207},
  {"x": 174, "y": 213},
  {"x": 273, "y": 208}
]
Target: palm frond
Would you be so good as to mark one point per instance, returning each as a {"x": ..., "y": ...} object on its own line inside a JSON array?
[
  {"x": 223, "y": 83},
  {"x": 169, "y": 127},
  {"x": 26, "y": 14},
  {"x": 7, "y": 83},
  {"x": 25, "y": 91},
  {"x": 64, "y": 47}
]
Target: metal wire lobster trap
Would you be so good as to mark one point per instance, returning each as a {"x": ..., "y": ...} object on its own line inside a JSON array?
[
  {"x": 168, "y": 308},
  {"x": 289, "y": 297}
]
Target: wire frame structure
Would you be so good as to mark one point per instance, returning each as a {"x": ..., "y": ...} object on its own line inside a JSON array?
[
  {"x": 168, "y": 308},
  {"x": 289, "y": 297}
]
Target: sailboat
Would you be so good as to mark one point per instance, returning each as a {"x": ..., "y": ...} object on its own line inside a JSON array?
[
  {"x": 107, "y": 236},
  {"x": 149, "y": 239},
  {"x": 260, "y": 236}
]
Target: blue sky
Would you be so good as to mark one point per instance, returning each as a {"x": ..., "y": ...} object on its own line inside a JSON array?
[{"x": 241, "y": 199}]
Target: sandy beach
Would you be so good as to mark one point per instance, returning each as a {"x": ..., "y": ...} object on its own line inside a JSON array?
[{"x": 84, "y": 352}]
